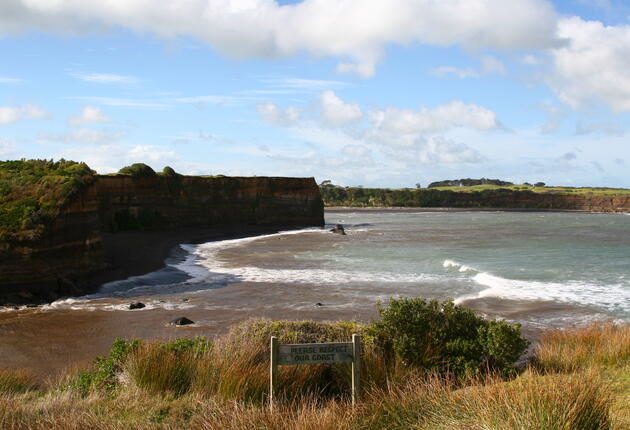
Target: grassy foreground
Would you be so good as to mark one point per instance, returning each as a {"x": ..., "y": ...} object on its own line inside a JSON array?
[{"x": 578, "y": 379}]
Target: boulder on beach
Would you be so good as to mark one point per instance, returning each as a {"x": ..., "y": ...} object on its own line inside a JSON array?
[
  {"x": 180, "y": 321},
  {"x": 138, "y": 305},
  {"x": 338, "y": 229}
]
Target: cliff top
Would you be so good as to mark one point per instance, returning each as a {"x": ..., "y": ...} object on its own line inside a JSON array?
[{"x": 32, "y": 192}]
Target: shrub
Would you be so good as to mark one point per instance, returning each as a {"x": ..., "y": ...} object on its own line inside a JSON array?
[
  {"x": 138, "y": 170},
  {"x": 169, "y": 171},
  {"x": 104, "y": 373},
  {"x": 444, "y": 337}
]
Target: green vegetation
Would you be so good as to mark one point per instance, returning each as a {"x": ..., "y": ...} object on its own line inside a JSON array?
[
  {"x": 468, "y": 182},
  {"x": 576, "y": 380},
  {"x": 32, "y": 192},
  {"x": 168, "y": 171},
  {"x": 194, "y": 383},
  {"x": 451, "y": 196},
  {"x": 139, "y": 170},
  {"x": 444, "y": 337}
]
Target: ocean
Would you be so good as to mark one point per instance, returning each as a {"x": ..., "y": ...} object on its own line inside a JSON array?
[{"x": 540, "y": 269}]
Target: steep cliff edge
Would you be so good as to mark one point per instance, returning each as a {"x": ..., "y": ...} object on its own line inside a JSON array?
[
  {"x": 590, "y": 200},
  {"x": 58, "y": 261}
]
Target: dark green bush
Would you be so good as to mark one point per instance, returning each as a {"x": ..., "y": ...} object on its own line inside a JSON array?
[
  {"x": 138, "y": 170},
  {"x": 103, "y": 375},
  {"x": 169, "y": 171},
  {"x": 442, "y": 336}
]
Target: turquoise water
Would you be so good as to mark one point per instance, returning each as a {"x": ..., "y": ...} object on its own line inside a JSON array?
[
  {"x": 540, "y": 269},
  {"x": 568, "y": 258}
]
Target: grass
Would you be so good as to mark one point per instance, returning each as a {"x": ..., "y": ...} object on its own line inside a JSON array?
[
  {"x": 600, "y": 344},
  {"x": 603, "y": 191},
  {"x": 579, "y": 379}
]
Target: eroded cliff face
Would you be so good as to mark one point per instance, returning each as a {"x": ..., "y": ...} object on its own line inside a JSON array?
[
  {"x": 527, "y": 200},
  {"x": 53, "y": 265},
  {"x": 126, "y": 203}
]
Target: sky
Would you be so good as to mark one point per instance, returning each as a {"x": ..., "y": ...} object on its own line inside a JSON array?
[{"x": 378, "y": 93}]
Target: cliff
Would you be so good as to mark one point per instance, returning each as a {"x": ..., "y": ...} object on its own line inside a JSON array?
[
  {"x": 72, "y": 246},
  {"x": 495, "y": 198},
  {"x": 509, "y": 199}
]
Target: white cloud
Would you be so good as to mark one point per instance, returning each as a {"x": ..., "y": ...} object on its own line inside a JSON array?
[
  {"x": 554, "y": 118},
  {"x": 105, "y": 78},
  {"x": 215, "y": 100},
  {"x": 150, "y": 154},
  {"x": 113, "y": 156},
  {"x": 489, "y": 66},
  {"x": 303, "y": 84},
  {"x": 530, "y": 60},
  {"x": 81, "y": 135},
  {"x": 401, "y": 122},
  {"x": 10, "y": 115},
  {"x": 355, "y": 30},
  {"x": 434, "y": 150},
  {"x": 336, "y": 112},
  {"x": 122, "y": 102},
  {"x": 272, "y": 114},
  {"x": 7, "y": 80},
  {"x": 594, "y": 66},
  {"x": 605, "y": 127},
  {"x": 88, "y": 115},
  {"x": 356, "y": 151}
]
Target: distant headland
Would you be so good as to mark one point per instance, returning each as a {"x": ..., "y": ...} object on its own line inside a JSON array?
[{"x": 481, "y": 194}]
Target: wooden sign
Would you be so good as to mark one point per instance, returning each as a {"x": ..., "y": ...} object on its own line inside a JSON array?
[{"x": 315, "y": 353}]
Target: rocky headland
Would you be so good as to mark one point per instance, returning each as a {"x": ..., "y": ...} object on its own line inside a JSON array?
[{"x": 120, "y": 225}]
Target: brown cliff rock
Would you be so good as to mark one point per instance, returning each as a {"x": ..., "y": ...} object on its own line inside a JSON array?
[{"x": 56, "y": 264}]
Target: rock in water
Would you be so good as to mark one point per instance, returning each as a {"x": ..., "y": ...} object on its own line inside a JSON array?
[
  {"x": 136, "y": 305},
  {"x": 181, "y": 321},
  {"x": 338, "y": 229}
]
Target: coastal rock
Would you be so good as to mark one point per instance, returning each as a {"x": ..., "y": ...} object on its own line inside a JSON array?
[
  {"x": 180, "y": 322},
  {"x": 138, "y": 305},
  {"x": 339, "y": 230},
  {"x": 77, "y": 245}
]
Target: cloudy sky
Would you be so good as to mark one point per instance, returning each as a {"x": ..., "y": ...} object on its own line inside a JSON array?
[{"x": 360, "y": 92}]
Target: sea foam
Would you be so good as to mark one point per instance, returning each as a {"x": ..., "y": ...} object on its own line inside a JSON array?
[{"x": 615, "y": 297}]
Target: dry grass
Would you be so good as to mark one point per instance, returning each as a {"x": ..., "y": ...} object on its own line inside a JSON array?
[
  {"x": 567, "y": 402},
  {"x": 16, "y": 381},
  {"x": 225, "y": 387},
  {"x": 604, "y": 344}
]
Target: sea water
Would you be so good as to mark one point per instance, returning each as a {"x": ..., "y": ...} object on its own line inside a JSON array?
[{"x": 538, "y": 268}]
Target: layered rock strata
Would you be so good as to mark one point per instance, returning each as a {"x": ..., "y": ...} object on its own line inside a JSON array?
[{"x": 57, "y": 263}]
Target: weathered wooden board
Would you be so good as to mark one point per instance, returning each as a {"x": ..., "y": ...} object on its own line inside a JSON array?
[{"x": 314, "y": 353}]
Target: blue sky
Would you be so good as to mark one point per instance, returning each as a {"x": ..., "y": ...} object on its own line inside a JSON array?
[{"x": 360, "y": 92}]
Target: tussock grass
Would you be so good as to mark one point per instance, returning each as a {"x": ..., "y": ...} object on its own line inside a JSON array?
[
  {"x": 16, "y": 381},
  {"x": 574, "y": 401},
  {"x": 223, "y": 385},
  {"x": 606, "y": 344}
]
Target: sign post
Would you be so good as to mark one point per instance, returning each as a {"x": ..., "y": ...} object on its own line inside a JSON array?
[{"x": 315, "y": 353}]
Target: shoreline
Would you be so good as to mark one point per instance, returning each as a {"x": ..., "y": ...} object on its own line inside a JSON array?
[{"x": 139, "y": 253}]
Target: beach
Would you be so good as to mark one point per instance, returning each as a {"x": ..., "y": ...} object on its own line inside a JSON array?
[{"x": 539, "y": 269}]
